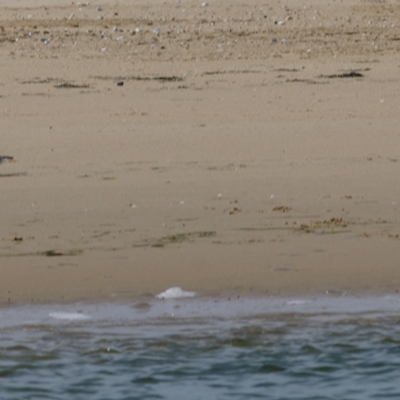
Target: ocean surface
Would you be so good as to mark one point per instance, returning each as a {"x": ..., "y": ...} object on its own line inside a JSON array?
[{"x": 203, "y": 348}]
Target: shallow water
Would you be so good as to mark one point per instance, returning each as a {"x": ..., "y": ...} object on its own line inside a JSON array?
[{"x": 270, "y": 348}]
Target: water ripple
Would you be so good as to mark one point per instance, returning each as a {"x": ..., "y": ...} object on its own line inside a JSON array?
[{"x": 292, "y": 355}]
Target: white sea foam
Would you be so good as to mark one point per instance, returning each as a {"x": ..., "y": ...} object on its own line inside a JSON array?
[
  {"x": 69, "y": 316},
  {"x": 175, "y": 293},
  {"x": 298, "y": 302}
]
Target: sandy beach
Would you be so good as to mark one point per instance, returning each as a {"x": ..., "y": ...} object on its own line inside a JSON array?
[{"x": 226, "y": 147}]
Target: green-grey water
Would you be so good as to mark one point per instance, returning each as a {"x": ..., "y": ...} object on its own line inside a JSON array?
[{"x": 270, "y": 348}]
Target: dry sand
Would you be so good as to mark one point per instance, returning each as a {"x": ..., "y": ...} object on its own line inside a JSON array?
[{"x": 230, "y": 147}]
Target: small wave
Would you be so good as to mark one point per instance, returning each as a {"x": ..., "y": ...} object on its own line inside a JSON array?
[
  {"x": 175, "y": 293},
  {"x": 297, "y": 302},
  {"x": 69, "y": 316}
]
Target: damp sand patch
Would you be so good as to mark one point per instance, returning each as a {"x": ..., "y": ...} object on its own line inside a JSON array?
[
  {"x": 46, "y": 253},
  {"x": 176, "y": 239},
  {"x": 57, "y": 83},
  {"x": 332, "y": 226},
  {"x": 157, "y": 78},
  {"x": 70, "y": 85},
  {"x": 350, "y": 74}
]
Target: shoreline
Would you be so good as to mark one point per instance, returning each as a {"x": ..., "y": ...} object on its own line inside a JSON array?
[{"x": 197, "y": 308}]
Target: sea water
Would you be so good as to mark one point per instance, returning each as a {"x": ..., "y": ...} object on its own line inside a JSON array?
[{"x": 203, "y": 348}]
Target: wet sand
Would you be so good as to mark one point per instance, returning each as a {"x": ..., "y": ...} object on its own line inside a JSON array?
[{"x": 224, "y": 147}]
